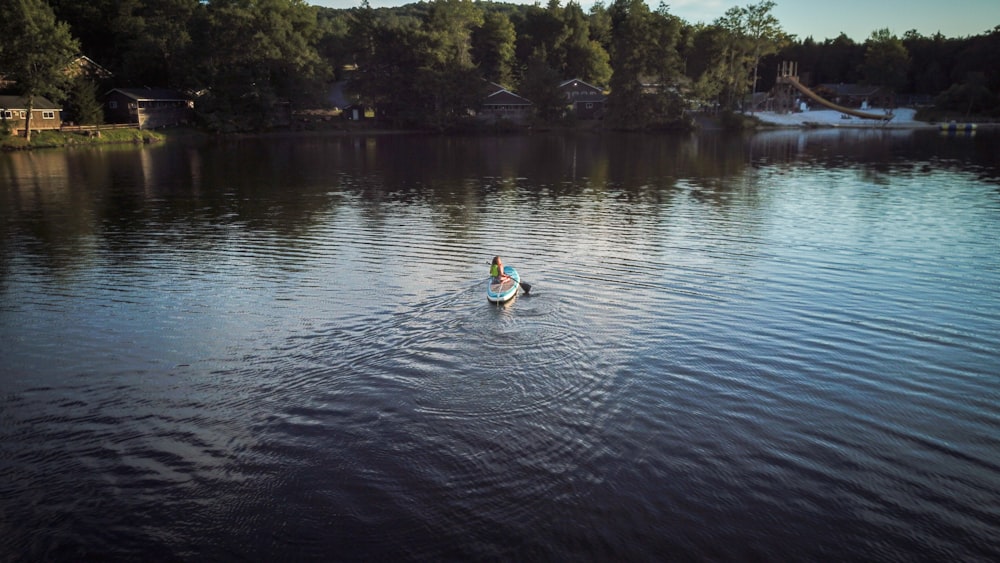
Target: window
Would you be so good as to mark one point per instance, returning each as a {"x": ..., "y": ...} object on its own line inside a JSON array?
[
  {"x": 22, "y": 114},
  {"x": 48, "y": 114},
  {"x": 7, "y": 114},
  {"x": 113, "y": 104}
]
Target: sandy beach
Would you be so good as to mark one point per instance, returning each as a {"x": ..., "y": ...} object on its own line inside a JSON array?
[{"x": 902, "y": 119}]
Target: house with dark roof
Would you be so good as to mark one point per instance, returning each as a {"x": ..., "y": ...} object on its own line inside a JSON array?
[
  {"x": 44, "y": 113},
  {"x": 587, "y": 100},
  {"x": 501, "y": 103},
  {"x": 83, "y": 65},
  {"x": 148, "y": 108}
]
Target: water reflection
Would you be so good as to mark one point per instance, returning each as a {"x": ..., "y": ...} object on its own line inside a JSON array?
[
  {"x": 735, "y": 348},
  {"x": 69, "y": 201}
]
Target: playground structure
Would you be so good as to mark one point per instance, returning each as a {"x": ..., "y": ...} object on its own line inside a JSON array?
[{"x": 788, "y": 80}]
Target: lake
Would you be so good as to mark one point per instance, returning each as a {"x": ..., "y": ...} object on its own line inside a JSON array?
[{"x": 780, "y": 346}]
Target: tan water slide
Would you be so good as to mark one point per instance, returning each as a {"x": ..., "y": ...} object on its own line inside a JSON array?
[{"x": 849, "y": 111}]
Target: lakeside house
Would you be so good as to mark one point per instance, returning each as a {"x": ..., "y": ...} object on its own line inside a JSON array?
[
  {"x": 501, "y": 103},
  {"x": 148, "y": 108},
  {"x": 45, "y": 115},
  {"x": 586, "y": 100},
  {"x": 83, "y": 65}
]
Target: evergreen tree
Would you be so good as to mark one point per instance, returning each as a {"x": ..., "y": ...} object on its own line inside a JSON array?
[
  {"x": 886, "y": 61},
  {"x": 647, "y": 68},
  {"x": 82, "y": 105},
  {"x": 493, "y": 48},
  {"x": 584, "y": 57},
  {"x": 255, "y": 53},
  {"x": 541, "y": 85},
  {"x": 751, "y": 33}
]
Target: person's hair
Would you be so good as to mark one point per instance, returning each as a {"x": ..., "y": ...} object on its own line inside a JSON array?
[{"x": 496, "y": 260}]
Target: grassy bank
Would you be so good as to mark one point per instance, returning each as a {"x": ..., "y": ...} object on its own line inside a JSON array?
[{"x": 56, "y": 139}]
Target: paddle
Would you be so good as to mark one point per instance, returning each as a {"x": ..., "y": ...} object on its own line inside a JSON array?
[{"x": 525, "y": 286}]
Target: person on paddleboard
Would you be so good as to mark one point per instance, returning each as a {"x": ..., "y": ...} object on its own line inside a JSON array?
[{"x": 496, "y": 270}]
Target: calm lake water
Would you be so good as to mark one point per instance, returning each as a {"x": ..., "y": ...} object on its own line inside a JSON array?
[{"x": 778, "y": 347}]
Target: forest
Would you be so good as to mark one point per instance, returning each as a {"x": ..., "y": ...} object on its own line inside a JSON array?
[{"x": 426, "y": 64}]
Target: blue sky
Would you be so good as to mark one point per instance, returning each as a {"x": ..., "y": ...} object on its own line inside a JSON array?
[{"x": 826, "y": 19}]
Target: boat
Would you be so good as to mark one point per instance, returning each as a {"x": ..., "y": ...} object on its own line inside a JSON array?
[{"x": 505, "y": 290}]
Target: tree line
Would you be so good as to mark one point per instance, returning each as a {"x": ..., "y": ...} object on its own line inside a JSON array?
[{"x": 425, "y": 64}]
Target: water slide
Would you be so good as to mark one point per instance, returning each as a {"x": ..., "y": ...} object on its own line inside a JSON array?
[{"x": 849, "y": 111}]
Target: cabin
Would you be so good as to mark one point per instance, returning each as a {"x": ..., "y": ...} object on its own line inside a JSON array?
[
  {"x": 83, "y": 65},
  {"x": 148, "y": 108},
  {"x": 587, "y": 100},
  {"x": 45, "y": 115},
  {"x": 501, "y": 103}
]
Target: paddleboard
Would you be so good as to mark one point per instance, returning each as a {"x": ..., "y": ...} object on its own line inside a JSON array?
[{"x": 505, "y": 290}]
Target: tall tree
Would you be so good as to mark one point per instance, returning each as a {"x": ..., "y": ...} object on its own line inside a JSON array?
[
  {"x": 540, "y": 84},
  {"x": 35, "y": 51},
  {"x": 493, "y": 48},
  {"x": 583, "y": 57},
  {"x": 449, "y": 25},
  {"x": 156, "y": 53},
  {"x": 82, "y": 105},
  {"x": 752, "y": 34},
  {"x": 543, "y": 32},
  {"x": 647, "y": 67},
  {"x": 886, "y": 60},
  {"x": 256, "y": 52}
]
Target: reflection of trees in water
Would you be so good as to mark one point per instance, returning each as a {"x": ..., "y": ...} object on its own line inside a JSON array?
[{"x": 67, "y": 204}]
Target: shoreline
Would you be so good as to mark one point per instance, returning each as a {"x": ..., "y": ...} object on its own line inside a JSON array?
[{"x": 903, "y": 119}]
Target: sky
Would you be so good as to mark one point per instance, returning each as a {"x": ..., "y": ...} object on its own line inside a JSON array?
[{"x": 819, "y": 19}]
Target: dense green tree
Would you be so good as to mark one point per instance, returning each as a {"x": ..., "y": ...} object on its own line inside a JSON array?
[
  {"x": 980, "y": 54},
  {"x": 418, "y": 72},
  {"x": 647, "y": 67},
  {"x": 928, "y": 56},
  {"x": 706, "y": 48},
  {"x": 541, "y": 85},
  {"x": 542, "y": 32},
  {"x": 886, "y": 60},
  {"x": 600, "y": 25},
  {"x": 838, "y": 61},
  {"x": 494, "y": 48},
  {"x": 157, "y": 51},
  {"x": 969, "y": 98},
  {"x": 449, "y": 25},
  {"x": 334, "y": 44},
  {"x": 35, "y": 51},
  {"x": 387, "y": 58},
  {"x": 259, "y": 52},
  {"x": 751, "y": 33},
  {"x": 447, "y": 78},
  {"x": 764, "y": 34},
  {"x": 82, "y": 105},
  {"x": 583, "y": 57}
]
